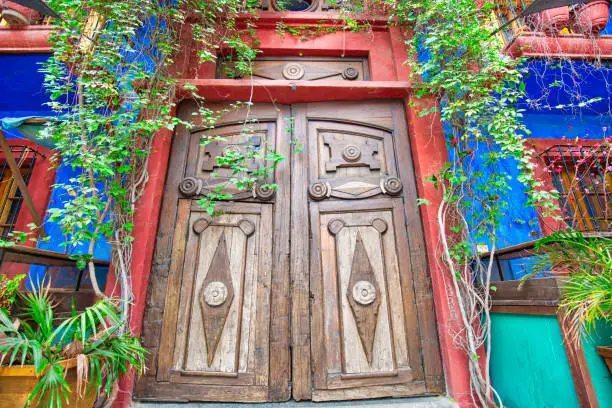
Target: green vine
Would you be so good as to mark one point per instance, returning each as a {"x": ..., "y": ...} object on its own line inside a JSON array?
[{"x": 113, "y": 91}]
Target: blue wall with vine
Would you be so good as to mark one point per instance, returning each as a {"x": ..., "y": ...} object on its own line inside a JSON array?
[{"x": 22, "y": 94}]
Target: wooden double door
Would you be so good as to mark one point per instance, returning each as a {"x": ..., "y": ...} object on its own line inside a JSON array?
[{"x": 317, "y": 290}]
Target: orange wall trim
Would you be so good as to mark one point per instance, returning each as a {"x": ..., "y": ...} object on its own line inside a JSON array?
[
  {"x": 566, "y": 46},
  {"x": 25, "y": 40}
]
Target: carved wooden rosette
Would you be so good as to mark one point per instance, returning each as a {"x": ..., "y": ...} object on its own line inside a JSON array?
[
  {"x": 351, "y": 155},
  {"x": 263, "y": 192},
  {"x": 190, "y": 186},
  {"x": 217, "y": 291},
  {"x": 391, "y": 185},
  {"x": 319, "y": 190},
  {"x": 363, "y": 292}
]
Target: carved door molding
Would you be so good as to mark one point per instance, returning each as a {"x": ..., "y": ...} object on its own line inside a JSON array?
[
  {"x": 318, "y": 290},
  {"x": 372, "y": 332}
]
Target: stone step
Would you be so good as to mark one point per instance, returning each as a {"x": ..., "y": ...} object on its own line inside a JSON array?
[{"x": 420, "y": 402}]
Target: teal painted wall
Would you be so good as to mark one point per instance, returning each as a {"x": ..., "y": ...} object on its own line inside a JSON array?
[
  {"x": 529, "y": 367},
  {"x": 600, "y": 375}
]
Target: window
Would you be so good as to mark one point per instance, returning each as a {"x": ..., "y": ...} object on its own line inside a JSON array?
[
  {"x": 10, "y": 196},
  {"x": 583, "y": 178}
]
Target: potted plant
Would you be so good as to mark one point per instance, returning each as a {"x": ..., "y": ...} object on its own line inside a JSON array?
[
  {"x": 550, "y": 21},
  {"x": 586, "y": 286},
  {"x": 17, "y": 15},
  {"x": 9, "y": 288},
  {"x": 590, "y": 18},
  {"x": 50, "y": 362}
]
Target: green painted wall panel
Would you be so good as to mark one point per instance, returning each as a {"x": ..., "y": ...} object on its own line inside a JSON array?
[
  {"x": 529, "y": 367},
  {"x": 600, "y": 375}
]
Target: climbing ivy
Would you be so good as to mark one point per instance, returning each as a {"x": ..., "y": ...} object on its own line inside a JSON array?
[{"x": 111, "y": 86}]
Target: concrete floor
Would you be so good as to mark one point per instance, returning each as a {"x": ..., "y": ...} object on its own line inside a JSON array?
[{"x": 421, "y": 402}]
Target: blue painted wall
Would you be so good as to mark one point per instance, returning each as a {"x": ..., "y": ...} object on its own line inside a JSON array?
[
  {"x": 556, "y": 116},
  {"x": 22, "y": 94}
]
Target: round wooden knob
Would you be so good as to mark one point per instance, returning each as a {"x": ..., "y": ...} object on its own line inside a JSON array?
[
  {"x": 319, "y": 190},
  {"x": 350, "y": 73},
  {"x": 392, "y": 186},
  {"x": 364, "y": 292},
  {"x": 264, "y": 192},
  {"x": 293, "y": 70},
  {"x": 190, "y": 186},
  {"x": 215, "y": 293},
  {"x": 351, "y": 153}
]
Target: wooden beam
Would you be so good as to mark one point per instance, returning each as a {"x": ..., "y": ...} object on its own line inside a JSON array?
[
  {"x": 578, "y": 367},
  {"x": 23, "y": 188},
  {"x": 522, "y": 309}
]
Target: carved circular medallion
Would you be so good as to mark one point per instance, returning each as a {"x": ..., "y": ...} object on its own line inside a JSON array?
[
  {"x": 247, "y": 227},
  {"x": 335, "y": 225},
  {"x": 264, "y": 192},
  {"x": 379, "y": 225},
  {"x": 231, "y": 151},
  {"x": 351, "y": 153},
  {"x": 293, "y": 70},
  {"x": 364, "y": 292},
  {"x": 215, "y": 293},
  {"x": 392, "y": 186},
  {"x": 319, "y": 190},
  {"x": 350, "y": 73},
  {"x": 190, "y": 186},
  {"x": 200, "y": 225}
]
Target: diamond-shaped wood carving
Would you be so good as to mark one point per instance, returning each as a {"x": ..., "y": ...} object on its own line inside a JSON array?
[
  {"x": 356, "y": 187},
  {"x": 363, "y": 295},
  {"x": 216, "y": 298}
]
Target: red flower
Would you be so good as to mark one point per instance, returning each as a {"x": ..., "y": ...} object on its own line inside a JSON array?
[{"x": 454, "y": 141}]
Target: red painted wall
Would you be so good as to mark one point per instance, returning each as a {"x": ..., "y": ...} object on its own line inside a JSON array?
[{"x": 390, "y": 78}]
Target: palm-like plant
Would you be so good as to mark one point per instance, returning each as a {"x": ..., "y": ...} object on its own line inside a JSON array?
[
  {"x": 587, "y": 289},
  {"x": 92, "y": 337}
]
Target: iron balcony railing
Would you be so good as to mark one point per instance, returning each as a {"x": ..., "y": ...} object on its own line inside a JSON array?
[
  {"x": 10, "y": 196},
  {"x": 583, "y": 177}
]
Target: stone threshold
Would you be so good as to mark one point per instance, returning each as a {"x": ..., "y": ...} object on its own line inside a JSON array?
[{"x": 420, "y": 402}]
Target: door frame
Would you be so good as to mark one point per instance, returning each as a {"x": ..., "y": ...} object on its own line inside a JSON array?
[{"x": 390, "y": 79}]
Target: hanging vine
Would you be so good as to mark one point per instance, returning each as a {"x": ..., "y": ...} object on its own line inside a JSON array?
[{"x": 110, "y": 85}]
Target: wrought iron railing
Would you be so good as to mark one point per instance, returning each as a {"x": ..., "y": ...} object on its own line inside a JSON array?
[
  {"x": 583, "y": 178},
  {"x": 10, "y": 196}
]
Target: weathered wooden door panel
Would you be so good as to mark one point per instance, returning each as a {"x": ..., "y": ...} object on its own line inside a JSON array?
[
  {"x": 364, "y": 316},
  {"x": 331, "y": 265},
  {"x": 221, "y": 319},
  {"x": 215, "y": 340},
  {"x": 367, "y": 270}
]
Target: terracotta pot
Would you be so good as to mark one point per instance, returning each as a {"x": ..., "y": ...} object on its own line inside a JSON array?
[
  {"x": 17, "y": 15},
  {"x": 550, "y": 21},
  {"x": 591, "y": 18},
  {"x": 17, "y": 383},
  {"x": 606, "y": 353}
]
